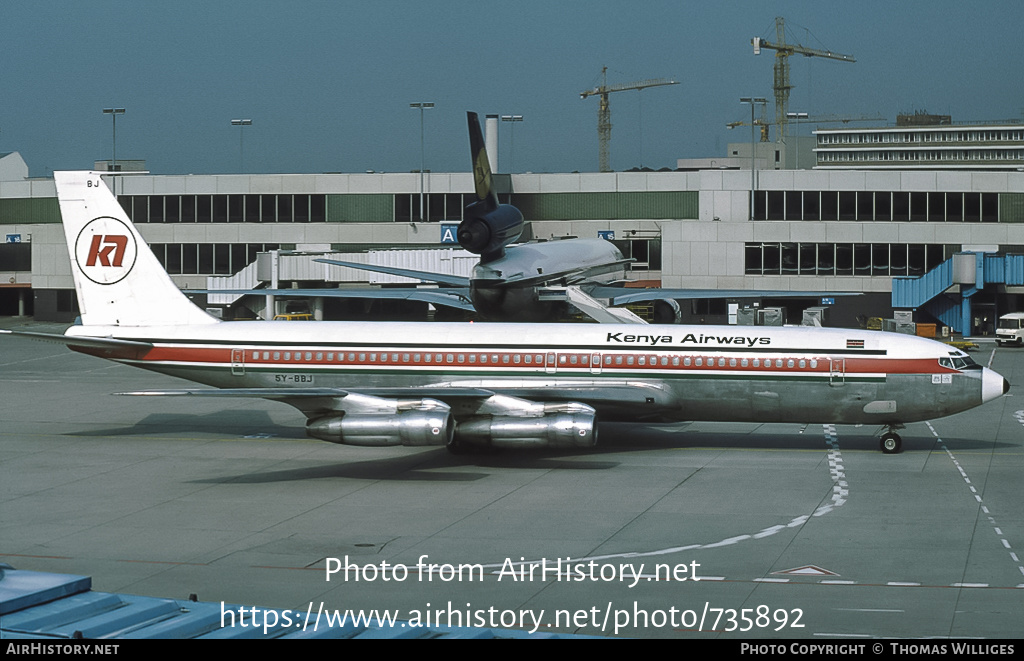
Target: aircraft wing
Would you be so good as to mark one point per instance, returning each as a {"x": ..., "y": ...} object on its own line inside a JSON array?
[
  {"x": 573, "y": 275},
  {"x": 299, "y": 393},
  {"x": 621, "y": 295},
  {"x": 427, "y": 276},
  {"x": 617, "y": 397},
  {"x": 449, "y": 297}
]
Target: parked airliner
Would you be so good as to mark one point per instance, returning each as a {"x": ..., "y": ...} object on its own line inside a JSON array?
[
  {"x": 529, "y": 281},
  {"x": 493, "y": 385}
]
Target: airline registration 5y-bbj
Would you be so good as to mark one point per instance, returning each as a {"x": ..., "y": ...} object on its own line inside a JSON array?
[{"x": 493, "y": 385}]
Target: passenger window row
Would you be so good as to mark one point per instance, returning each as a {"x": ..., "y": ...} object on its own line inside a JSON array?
[{"x": 527, "y": 359}]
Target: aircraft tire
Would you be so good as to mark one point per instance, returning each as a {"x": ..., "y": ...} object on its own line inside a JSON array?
[{"x": 891, "y": 443}]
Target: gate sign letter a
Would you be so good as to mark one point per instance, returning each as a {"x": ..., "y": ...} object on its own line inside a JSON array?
[{"x": 449, "y": 233}]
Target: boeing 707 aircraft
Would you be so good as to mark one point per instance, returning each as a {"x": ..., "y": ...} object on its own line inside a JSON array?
[{"x": 493, "y": 385}]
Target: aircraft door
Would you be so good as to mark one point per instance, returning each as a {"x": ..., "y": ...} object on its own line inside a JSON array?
[
  {"x": 238, "y": 362},
  {"x": 837, "y": 372},
  {"x": 595, "y": 363},
  {"x": 550, "y": 363}
]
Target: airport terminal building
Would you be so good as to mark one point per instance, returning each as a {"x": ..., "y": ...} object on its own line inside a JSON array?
[{"x": 841, "y": 230}]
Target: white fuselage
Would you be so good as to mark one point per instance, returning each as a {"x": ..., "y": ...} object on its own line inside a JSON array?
[{"x": 637, "y": 372}]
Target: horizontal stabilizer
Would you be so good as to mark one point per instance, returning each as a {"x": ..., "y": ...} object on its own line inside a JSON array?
[{"x": 84, "y": 342}]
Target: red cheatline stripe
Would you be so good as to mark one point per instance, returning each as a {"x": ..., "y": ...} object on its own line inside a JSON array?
[{"x": 485, "y": 360}]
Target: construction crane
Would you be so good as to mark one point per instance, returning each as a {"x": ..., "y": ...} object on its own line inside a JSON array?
[
  {"x": 760, "y": 122},
  {"x": 816, "y": 119},
  {"x": 813, "y": 119},
  {"x": 841, "y": 119},
  {"x": 604, "y": 113},
  {"x": 781, "y": 69}
]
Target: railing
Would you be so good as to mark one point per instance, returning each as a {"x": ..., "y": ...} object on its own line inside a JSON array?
[
  {"x": 914, "y": 292},
  {"x": 244, "y": 279}
]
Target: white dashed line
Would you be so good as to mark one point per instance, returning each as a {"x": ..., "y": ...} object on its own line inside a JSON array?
[
  {"x": 1019, "y": 415},
  {"x": 840, "y": 493}
]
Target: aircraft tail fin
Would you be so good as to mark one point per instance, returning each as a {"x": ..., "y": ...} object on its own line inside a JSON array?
[
  {"x": 118, "y": 280},
  {"x": 488, "y": 226},
  {"x": 487, "y": 199}
]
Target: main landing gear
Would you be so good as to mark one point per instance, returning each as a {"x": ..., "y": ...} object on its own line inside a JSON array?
[{"x": 891, "y": 443}]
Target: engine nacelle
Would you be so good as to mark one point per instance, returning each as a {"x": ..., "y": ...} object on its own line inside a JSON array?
[
  {"x": 429, "y": 426},
  {"x": 556, "y": 430},
  {"x": 488, "y": 233},
  {"x": 667, "y": 311}
]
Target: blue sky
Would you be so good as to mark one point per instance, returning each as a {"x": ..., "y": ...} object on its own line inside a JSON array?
[{"x": 328, "y": 84}]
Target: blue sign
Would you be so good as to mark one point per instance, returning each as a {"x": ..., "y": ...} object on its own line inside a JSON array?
[
  {"x": 449, "y": 233},
  {"x": 13, "y": 238},
  {"x": 607, "y": 235},
  {"x": 828, "y": 301}
]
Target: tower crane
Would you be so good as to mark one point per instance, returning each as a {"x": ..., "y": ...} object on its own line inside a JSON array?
[
  {"x": 604, "y": 113},
  {"x": 781, "y": 68},
  {"x": 760, "y": 122},
  {"x": 813, "y": 119}
]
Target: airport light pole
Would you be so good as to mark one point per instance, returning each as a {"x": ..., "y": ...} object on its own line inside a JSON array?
[
  {"x": 114, "y": 112},
  {"x": 753, "y": 185},
  {"x": 512, "y": 149},
  {"x": 240, "y": 123},
  {"x": 422, "y": 105},
  {"x": 797, "y": 116}
]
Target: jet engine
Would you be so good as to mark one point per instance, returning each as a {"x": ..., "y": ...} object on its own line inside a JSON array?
[
  {"x": 486, "y": 232},
  {"x": 571, "y": 425},
  {"x": 419, "y": 422},
  {"x": 667, "y": 311}
]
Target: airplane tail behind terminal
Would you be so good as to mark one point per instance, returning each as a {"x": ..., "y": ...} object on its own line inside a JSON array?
[
  {"x": 118, "y": 280},
  {"x": 488, "y": 226}
]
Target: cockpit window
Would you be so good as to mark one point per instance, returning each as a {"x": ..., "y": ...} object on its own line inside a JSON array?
[{"x": 959, "y": 363}]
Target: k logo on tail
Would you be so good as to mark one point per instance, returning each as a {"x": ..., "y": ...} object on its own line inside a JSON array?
[{"x": 105, "y": 250}]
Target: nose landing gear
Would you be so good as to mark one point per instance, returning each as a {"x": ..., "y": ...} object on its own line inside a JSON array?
[{"x": 891, "y": 443}]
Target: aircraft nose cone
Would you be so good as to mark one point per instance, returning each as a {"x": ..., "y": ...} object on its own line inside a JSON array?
[{"x": 993, "y": 385}]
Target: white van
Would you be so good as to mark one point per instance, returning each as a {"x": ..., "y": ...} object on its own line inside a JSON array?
[{"x": 1011, "y": 329}]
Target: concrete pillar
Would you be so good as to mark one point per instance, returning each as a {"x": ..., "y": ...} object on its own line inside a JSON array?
[{"x": 966, "y": 322}]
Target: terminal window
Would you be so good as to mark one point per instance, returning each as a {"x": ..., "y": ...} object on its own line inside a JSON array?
[
  {"x": 268, "y": 208},
  {"x": 896, "y": 206}
]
